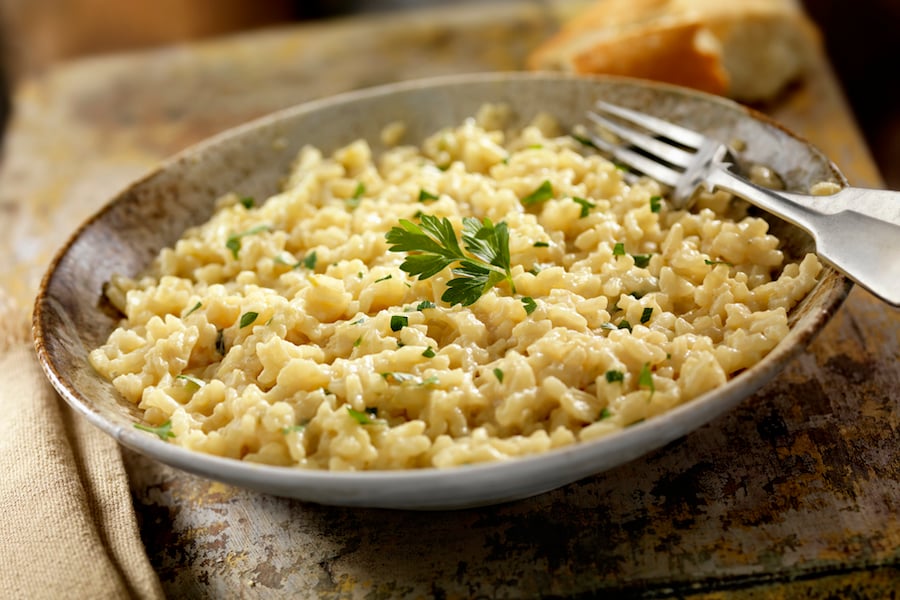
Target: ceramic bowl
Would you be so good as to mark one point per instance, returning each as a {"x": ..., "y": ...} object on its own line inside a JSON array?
[{"x": 70, "y": 317}]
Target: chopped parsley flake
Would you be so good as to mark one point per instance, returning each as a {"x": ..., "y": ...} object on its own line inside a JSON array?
[
  {"x": 529, "y": 304},
  {"x": 624, "y": 324},
  {"x": 543, "y": 193},
  {"x": 164, "y": 431},
  {"x": 655, "y": 203},
  {"x": 619, "y": 249},
  {"x": 247, "y": 318},
  {"x": 605, "y": 413},
  {"x": 429, "y": 352},
  {"x": 498, "y": 373},
  {"x": 385, "y": 278},
  {"x": 191, "y": 381},
  {"x": 194, "y": 309},
  {"x": 718, "y": 262},
  {"x": 425, "y": 196},
  {"x": 641, "y": 260},
  {"x": 645, "y": 379},
  {"x": 294, "y": 428},
  {"x": 425, "y": 304},
  {"x": 402, "y": 378},
  {"x": 248, "y": 202},
  {"x": 646, "y": 314},
  {"x": 309, "y": 261},
  {"x": 398, "y": 322},
  {"x": 614, "y": 375},
  {"x": 364, "y": 418},
  {"x": 583, "y": 140},
  {"x": 541, "y": 245},
  {"x": 356, "y": 198},
  {"x": 586, "y": 206},
  {"x": 233, "y": 242},
  {"x": 220, "y": 341}
]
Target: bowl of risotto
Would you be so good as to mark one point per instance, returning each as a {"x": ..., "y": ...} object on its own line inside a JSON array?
[{"x": 430, "y": 295}]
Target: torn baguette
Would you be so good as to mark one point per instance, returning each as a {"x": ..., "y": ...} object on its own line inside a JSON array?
[{"x": 746, "y": 49}]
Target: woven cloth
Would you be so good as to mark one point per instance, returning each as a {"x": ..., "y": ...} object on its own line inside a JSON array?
[{"x": 67, "y": 524}]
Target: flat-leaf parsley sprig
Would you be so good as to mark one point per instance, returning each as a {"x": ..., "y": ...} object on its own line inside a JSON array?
[{"x": 433, "y": 246}]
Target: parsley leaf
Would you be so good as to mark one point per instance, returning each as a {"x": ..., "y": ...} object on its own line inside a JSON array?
[
  {"x": 541, "y": 245},
  {"x": 619, "y": 249},
  {"x": 425, "y": 304},
  {"x": 646, "y": 314},
  {"x": 429, "y": 352},
  {"x": 605, "y": 413},
  {"x": 194, "y": 308},
  {"x": 164, "y": 431},
  {"x": 433, "y": 246},
  {"x": 248, "y": 202},
  {"x": 543, "y": 193},
  {"x": 717, "y": 262},
  {"x": 498, "y": 373},
  {"x": 655, "y": 203}
]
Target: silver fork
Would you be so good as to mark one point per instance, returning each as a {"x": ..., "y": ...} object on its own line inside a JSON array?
[{"x": 856, "y": 230}]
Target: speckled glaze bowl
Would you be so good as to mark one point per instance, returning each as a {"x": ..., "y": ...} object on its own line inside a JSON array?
[{"x": 70, "y": 316}]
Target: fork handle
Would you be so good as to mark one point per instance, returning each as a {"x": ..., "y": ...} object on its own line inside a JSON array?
[{"x": 856, "y": 230}]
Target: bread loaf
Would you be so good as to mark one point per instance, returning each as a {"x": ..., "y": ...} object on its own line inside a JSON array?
[{"x": 746, "y": 49}]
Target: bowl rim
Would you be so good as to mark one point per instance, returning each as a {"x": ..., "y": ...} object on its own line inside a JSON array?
[{"x": 736, "y": 389}]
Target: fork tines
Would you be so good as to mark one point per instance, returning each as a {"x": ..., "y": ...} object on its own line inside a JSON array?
[{"x": 665, "y": 155}]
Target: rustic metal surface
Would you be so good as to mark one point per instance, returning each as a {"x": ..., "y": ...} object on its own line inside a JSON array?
[{"x": 794, "y": 494}]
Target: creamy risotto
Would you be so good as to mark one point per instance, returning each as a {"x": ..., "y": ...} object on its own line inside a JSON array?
[{"x": 293, "y": 330}]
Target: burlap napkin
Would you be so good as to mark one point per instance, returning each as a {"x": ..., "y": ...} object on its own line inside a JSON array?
[{"x": 67, "y": 524}]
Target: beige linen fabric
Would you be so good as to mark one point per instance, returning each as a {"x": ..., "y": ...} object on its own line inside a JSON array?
[{"x": 67, "y": 525}]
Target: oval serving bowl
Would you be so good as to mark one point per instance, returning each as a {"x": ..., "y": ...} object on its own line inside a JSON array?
[{"x": 70, "y": 317}]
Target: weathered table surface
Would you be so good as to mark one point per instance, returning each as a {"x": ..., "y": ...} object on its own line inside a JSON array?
[{"x": 794, "y": 493}]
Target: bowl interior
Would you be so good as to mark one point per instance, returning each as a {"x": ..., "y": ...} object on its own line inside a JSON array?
[{"x": 71, "y": 317}]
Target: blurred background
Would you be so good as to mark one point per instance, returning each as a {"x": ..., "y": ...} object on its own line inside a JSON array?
[{"x": 862, "y": 39}]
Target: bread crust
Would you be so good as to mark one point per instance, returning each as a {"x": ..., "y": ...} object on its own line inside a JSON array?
[{"x": 747, "y": 49}]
